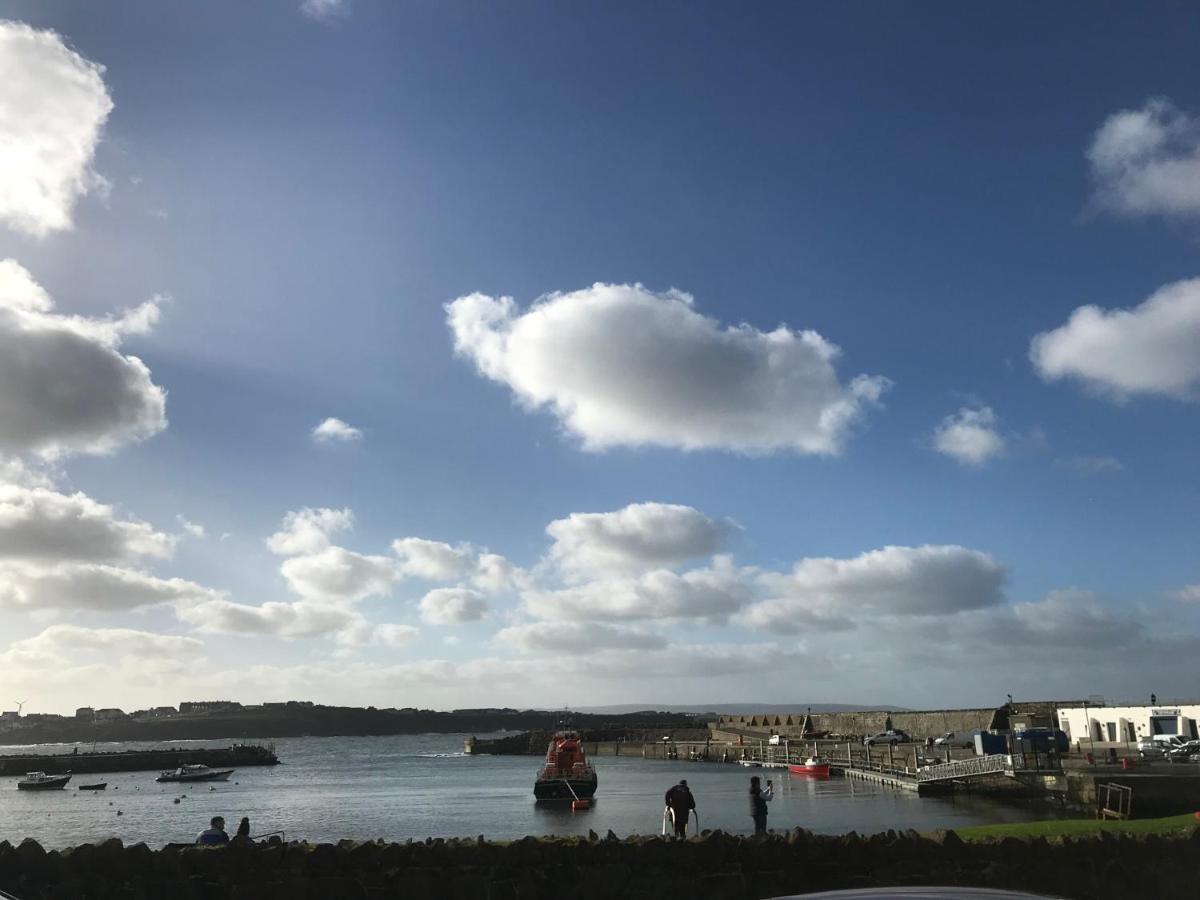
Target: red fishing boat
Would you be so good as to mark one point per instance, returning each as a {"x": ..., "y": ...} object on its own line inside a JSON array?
[
  {"x": 814, "y": 765},
  {"x": 566, "y": 774}
]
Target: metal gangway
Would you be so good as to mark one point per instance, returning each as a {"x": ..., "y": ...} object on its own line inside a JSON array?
[
  {"x": 1011, "y": 765},
  {"x": 961, "y": 769}
]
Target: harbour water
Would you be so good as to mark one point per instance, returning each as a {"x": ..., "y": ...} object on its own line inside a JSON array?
[{"x": 418, "y": 786}]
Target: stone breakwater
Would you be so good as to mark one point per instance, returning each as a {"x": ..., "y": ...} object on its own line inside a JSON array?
[{"x": 713, "y": 866}]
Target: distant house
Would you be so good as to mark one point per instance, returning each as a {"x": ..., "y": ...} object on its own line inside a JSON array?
[
  {"x": 110, "y": 714},
  {"x": 207, "y": 706},
  {"x": 86, "y": 713}
]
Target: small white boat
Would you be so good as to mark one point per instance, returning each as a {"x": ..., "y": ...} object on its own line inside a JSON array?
[
  {"x": 195, "y": 773},
  {"x": 40, "y": 781}
]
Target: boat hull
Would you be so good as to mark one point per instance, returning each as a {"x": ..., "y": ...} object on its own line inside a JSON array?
[
  {"x": 50, "y": 784},
  {"x": 820, "y": 771},
  {"x": 221, "y": 775},
  {"x": 94, "y": 787},
  {"x": 561, "y": 788}
]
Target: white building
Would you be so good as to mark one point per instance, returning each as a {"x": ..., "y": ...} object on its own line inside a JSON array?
[{"x": 1127, "y": 724}]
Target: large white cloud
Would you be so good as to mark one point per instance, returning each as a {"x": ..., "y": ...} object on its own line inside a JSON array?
[
  {"x": 38, "y": 524},
  {"x": 336, "y": 574},
  {"x": 64, "y": 384},
  {"x": 712, "y": 593},
  {"x": 892, "y": 581},
  {"x": 53, "y": 105},
  {"x": 452, "y": 606},
  {"x": 621, "y": 365},
  {"x": 1147, "y": 161},
  {"x": 639, "y": 537},
  {"x": 62, "y": 642},
  {"x": 439, "y": 561},
  {"x": 969, "y": 436},
  {"x": 1153, "y": 348},
  {"x": 577, "y": 638},
  {"x": 288, "y": 620},
  {"x": 308, "y": 530},
  {"x": 93, "y": 586}
]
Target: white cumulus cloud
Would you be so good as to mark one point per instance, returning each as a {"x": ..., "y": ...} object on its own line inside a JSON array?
[
  {"x": 308, "y": 530},
  {"x": 64, "y": 384},
  {"x": 712, "y": 593},
  {"x": 892, "y": 581},
  {"x": 38, "y": 524},
  {"x": 1147, "y": 161},
  {"x": 333, "y": 429},
  {"x": 336, "y": 574},
  {"x": 93, "y": 586},
  {"x": 620, "y": 365},
  {"x": 969, "y": 436},
  {"x": 452, "y": 606},
  {"x": 1153, "y": 348},
  {"x": 639, "y": 537},
  {"x": 53, "y": 105}
]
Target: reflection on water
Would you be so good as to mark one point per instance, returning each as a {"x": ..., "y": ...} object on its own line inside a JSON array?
[{"x": 414, "y": 786}]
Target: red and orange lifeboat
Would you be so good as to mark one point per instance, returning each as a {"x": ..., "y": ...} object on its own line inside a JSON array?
[{"x": 566, "y": 773}]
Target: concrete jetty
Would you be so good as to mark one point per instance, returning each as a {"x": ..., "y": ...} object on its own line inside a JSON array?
[{"x": 160, "y": 759}]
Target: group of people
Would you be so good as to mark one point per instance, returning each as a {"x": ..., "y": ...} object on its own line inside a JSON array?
[
  {"x": 216, "y": 834},
  {"x": 681, "y": 805}
]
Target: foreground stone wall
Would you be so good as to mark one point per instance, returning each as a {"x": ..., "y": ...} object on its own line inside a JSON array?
[{"x": 714, "y": 866}]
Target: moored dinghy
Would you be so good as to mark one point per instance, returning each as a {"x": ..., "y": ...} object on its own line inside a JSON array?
[
  {"x": 98, "y": 786},
  {"x": 814, "y": 765}
]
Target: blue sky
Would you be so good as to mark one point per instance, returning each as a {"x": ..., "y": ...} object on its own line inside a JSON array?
[{"x": 926, "y": 187}]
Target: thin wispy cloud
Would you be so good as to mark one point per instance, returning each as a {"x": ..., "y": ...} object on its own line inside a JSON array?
[{"x": 325, "y": 10}]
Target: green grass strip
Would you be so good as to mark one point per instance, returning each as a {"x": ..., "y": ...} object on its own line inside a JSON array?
[{"x": 1171, "y": 825}]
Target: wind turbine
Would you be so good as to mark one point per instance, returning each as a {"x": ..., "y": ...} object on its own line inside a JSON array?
[{"x": 20, "y": 706}]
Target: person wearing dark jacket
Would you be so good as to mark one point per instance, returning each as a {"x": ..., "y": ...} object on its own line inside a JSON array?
[
  {"x": 244, "y": 828},
  {"x": 758, "y": 805},
  {"x": 681, "y": 802}
]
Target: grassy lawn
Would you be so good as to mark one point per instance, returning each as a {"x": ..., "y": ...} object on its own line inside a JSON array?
[{"x": 1172, "y": 825}]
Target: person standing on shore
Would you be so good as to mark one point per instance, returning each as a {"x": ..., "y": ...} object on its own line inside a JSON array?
[
  {"x": 215, "y": 833},
  {"x": 758, "y": 805},
  {"x": 681, "y": 803}
]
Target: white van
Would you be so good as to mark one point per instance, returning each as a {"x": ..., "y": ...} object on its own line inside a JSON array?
[
  {"x": 775, "y": 740},
  {"x": 955, "y": 739}
]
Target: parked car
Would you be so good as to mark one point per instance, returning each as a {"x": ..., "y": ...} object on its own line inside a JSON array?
[
  {"x": 1148, "y": 748},
  {"x": 895, "y": 736},
  {"x": 1185, "y": 752},
  {"x": 955, "y": 739},
  {"x": 1170, "y": 740}
]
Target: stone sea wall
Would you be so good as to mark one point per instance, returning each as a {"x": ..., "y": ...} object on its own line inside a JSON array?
[{"x": 713, "y": 866}]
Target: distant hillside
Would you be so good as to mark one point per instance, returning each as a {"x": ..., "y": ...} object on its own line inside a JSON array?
[{"x": 728, "y": 709}]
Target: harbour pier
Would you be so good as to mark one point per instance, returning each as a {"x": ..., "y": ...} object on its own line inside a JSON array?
[{"x": 156, "y": 760}]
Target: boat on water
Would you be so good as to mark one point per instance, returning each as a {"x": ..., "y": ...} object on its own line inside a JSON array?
[
  {"x": 98, "y": 786},
  {"x": 566, "y": 773},
  {"x": 40, "y": 781},
  {"x": 814, "y": 765},
  {"x": 195, "y": 773}
]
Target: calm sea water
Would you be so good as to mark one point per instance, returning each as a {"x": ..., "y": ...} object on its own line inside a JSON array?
[{"x": 418, "y": 786}]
